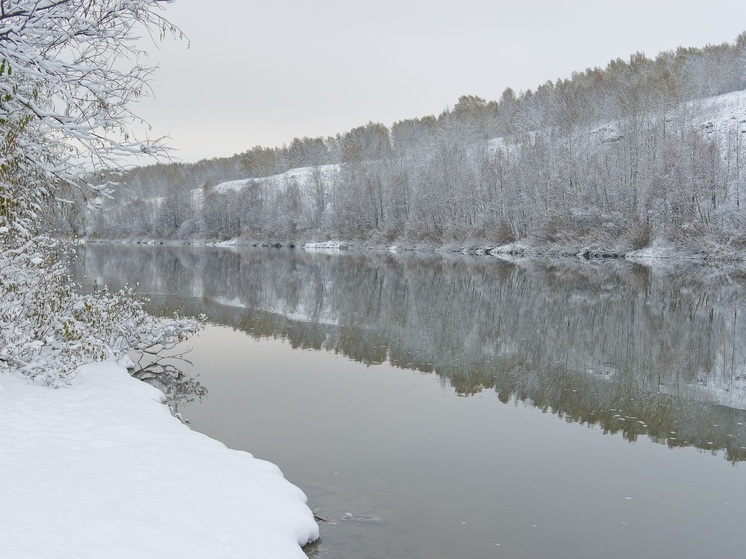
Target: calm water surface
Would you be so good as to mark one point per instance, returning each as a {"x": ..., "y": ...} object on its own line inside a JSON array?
[{"x": 448, "y": 407}]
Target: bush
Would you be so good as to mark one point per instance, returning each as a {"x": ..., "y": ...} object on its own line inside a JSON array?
[{"x": 48, "y": 329}]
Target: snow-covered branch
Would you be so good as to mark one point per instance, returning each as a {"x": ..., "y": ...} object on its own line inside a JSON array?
[{"x": 69, "y": 73}]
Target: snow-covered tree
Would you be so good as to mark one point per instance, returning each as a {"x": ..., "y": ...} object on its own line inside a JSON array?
[{"x": 69, "y": 72}]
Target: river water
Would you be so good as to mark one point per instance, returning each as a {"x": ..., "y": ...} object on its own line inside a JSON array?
[{"x": 447, "y": 406}]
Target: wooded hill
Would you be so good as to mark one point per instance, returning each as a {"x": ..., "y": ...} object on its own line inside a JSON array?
[{"x": 646, "y": 150}]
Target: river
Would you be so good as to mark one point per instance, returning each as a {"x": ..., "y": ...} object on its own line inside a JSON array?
[{"x": 450, "y": 406}]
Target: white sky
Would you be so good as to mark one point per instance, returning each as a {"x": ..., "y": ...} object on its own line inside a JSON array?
[{"x": 264, "y": 72}]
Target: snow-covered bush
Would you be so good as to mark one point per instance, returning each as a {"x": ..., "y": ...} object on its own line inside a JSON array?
[{"x": 48, "y": 329}]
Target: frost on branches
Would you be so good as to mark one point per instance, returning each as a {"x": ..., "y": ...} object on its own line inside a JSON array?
[
  {"x": 69, "y": 71},
  {"x": 47, "y": 330}
]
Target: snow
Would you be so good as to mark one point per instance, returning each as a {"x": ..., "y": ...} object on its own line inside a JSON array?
[
  {"x": 721, "y": 115},
  {"x": 228, "y": 186},
  {"x": 224, "y": 244},
  {"x": 325, "y": 245},
  {"x": 102, "y": 469},
  {"x": 304, "y": 177}
]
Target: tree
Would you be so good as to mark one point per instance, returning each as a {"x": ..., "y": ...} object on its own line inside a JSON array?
[
  {"x": 68, "y": 73},
  {"x": 475, "y": 112}
]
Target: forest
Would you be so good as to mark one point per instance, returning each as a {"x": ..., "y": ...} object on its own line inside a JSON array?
[{"x": 645, "y": 151}]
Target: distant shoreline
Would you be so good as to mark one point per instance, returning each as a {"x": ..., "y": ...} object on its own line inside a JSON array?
[{"x": 710, "y": 253}]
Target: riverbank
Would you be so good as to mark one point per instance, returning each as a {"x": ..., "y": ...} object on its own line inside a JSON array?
[
  {"x": 702, "y": 250},
  {"x": 101, "y": 468}
]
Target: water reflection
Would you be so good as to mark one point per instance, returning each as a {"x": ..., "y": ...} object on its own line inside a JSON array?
[{"x": 633, "y": 349}]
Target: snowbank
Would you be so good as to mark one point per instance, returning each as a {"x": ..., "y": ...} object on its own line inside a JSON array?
[
  {"x": 102, "y": 469},
  {"x": 325, "y": 245},
  {"x": 224, "y": 244}
]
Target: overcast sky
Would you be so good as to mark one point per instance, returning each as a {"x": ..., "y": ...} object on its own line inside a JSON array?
[{"x": 264, "y": 72}]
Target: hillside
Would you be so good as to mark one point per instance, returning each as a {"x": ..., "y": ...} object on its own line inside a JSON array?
[
  {"x": 717, "y": 121},
  {"x": 646, "y": 154}
]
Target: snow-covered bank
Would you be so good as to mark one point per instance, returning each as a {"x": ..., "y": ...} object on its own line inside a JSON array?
[
  {"x": 102, "y": 469},
  {"x": 708, "y": 250}
]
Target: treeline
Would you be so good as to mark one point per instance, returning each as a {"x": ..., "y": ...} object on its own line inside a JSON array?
[{"x": 612, "y": 157}]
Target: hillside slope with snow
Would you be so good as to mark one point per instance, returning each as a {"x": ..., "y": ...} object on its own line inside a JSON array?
[
  {"x": 665, "y": 178},
  {"x": 716, "y": 117}
]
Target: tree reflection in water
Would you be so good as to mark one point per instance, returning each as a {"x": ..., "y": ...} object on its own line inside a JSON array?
[{"x": 636, "y": 350}]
